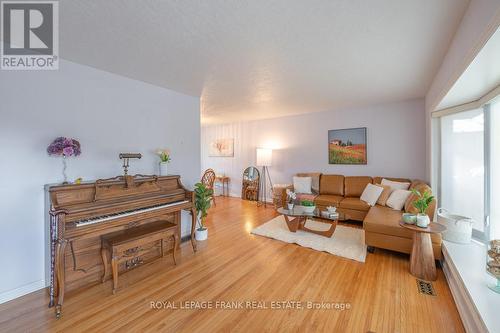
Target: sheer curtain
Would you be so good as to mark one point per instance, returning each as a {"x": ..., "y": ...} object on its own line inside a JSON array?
[
  {"x": 495, "y": 170},
  {"x": 462, "y": 165}
]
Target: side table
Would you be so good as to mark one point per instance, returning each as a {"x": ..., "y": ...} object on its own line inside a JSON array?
[{"x": 422, "y": 264}]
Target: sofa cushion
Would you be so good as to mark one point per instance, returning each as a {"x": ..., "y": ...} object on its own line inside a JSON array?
[
  {"x": 371, "y": 194},
  {"x": 302, "y": 185},
  {"x": 378, "y": 180},
  {"x": 314, "y": 180},
  {"x": 354, "y": 186},
  {"x": 354, "y": 203},
  {"x": 384, "y": 220},
  {"x": 396, "y": 185},
  {"x": 386, "y": 192},
  {"x": 331, "y": 184},
  {"x": 397, "y": 199},
  {"x": 328, "y": 200}
]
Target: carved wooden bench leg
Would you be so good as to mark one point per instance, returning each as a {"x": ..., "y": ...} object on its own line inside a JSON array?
[{"x": 114, "y": 268}]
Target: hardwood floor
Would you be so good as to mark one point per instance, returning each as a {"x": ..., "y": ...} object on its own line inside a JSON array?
[{"x": 234, "y": 265}]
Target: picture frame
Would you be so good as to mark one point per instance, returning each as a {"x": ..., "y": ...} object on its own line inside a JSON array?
[{"x": 348, "y": 146}]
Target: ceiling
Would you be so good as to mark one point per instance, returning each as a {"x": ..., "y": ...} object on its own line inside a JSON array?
[
  {"x": 261, "y": 58},
  {"x": 480, "y": 77}
]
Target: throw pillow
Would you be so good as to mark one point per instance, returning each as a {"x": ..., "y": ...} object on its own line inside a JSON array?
[
  {"x": 397, "y": 199},
  {"x": 371, "y": 194},
  {"x": 387, "y": 190},
  {"x": 396, "y": 185},
  {"x": 302, "y": 185}
]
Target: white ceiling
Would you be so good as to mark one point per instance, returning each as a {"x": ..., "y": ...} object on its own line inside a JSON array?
[
  {"x": 261, "y": 58},
  {"x": 480, "y": 77}
]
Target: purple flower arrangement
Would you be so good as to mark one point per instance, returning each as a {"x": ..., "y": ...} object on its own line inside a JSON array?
[{"x": 64, "y": 147}]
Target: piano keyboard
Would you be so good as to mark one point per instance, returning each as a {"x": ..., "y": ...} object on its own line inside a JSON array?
[{"x": 100, "y": 219}]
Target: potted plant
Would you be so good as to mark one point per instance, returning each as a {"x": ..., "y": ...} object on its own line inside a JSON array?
[
  {"x": 290, "y": 198},
  {"x": 308, "y": 206},
  {"x": 202, "y": 202},
  {"x": 164, "y": 155},
  {"x": 421, "y": 204}
]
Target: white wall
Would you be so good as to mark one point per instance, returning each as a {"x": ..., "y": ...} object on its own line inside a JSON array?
[
  {"x": 108, "y": 114},
  {"x": 396, "y": 143}
]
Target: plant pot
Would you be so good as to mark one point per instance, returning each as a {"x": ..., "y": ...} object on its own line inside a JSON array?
[
  {"x": 163, "y": 168},
  {"x": 290, "y": 206},
  {"x": 423, "y": 220},
  {"x": 201, "y": 234}
]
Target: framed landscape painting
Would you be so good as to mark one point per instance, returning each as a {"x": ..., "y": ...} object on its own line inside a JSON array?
[
  {"x": 221, "y": 148},
  {"x": 347, "y": 146}
]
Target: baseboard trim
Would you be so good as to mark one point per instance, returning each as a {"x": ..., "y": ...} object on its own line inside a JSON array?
[
  {"x": 471, "y": 319},
  {"x": 21, "y": 291}
]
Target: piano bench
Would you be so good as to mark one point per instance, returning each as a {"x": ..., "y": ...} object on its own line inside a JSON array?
[{"x": 126, "y": 245}]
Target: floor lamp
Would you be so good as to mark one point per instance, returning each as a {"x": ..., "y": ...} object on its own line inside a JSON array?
[{"x": 264, "y": 159}]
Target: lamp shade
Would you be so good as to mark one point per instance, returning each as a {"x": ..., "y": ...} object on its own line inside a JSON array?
[{"x": 264, "y": 156}]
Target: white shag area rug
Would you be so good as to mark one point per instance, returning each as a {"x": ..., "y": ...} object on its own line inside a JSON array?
[{"x": 345, "y": 242}]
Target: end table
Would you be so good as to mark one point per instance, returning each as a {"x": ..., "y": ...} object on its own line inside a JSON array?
[{"x": 422, "y": 264}]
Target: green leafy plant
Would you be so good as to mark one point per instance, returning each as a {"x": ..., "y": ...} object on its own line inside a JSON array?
[
  {"x": 423, "y": 201},
  {"x": 307, "y": 203},
  {"x": 202, "y": 202}
]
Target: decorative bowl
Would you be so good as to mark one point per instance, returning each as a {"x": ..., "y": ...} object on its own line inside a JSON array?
[
  {"x": 409, "y": 218},
  {"x": 308, "y": 209}
]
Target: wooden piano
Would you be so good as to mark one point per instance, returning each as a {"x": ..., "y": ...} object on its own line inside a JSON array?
[{"x": 80, "y": 214}]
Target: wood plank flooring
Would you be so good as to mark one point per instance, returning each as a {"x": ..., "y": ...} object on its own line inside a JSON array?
[{"x": 235, "y": 266}]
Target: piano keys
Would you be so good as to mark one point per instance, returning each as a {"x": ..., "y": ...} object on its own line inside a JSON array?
[{"x": 80, "y": 214}]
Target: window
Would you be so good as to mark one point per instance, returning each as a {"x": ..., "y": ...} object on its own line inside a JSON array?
[{"x": 462, "y": 166}]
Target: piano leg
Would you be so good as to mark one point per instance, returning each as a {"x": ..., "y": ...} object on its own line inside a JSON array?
[
  {"x": 193, "y": 228},
  {"x": 176, "y": 241},
  {"x": 60, "y": 266}
]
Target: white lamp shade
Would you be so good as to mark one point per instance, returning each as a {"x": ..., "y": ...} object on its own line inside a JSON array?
[{"x": 264, "y": 156}]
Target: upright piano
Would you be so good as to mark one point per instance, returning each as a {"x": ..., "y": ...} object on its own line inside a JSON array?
[{"x": 80, "y": 213}]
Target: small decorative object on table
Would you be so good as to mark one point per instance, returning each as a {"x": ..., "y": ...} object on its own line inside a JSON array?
[
  {"x": 203, "y": 199},
  {"x": 493, "y": 265},
  {"x": 64, "y": 147},
  {"x": 421, "y": 204},
  {"x": 331, "y": 209},
  {"x": 290, "y": 198},
  {"x": 308, "y": 206},
  {"x": 164, "y": 155}
]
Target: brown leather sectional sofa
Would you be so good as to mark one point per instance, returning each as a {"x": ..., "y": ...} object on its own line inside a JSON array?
[{"x": 381, "y": 223}]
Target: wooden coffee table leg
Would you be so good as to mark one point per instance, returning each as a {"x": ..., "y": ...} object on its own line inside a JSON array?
[
  {"x": 326, "y": 233},
  {"x": 293, "y": 224},
  {"x": 422, "y": 263}
]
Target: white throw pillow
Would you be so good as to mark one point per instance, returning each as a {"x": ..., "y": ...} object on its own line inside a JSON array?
[
  {"x": 395, "y": 185},
  {"x": 371, "y": 194},
  {"x": 397, "y": 199},
  {"x": 302, "y": 185}
]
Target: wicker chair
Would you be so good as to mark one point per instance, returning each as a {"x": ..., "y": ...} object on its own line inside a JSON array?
[{"x": 208, "y": 180}]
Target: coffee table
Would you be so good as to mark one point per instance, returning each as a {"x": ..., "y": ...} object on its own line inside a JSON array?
[
  {"x": 422, "y": 264},
  {"x": 296, "y": 219}
]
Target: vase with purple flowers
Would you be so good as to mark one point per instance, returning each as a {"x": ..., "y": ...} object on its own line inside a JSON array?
[{"x": 64, "y": 147}]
